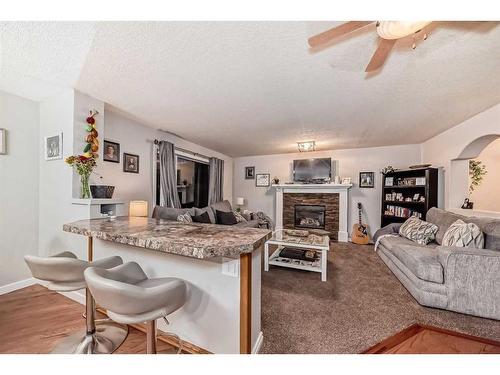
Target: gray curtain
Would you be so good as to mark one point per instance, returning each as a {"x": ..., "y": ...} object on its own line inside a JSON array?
[
  {"x": 216, "y": 181},
  {"x": 168, "y": 175}
]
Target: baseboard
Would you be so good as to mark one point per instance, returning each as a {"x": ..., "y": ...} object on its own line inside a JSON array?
[
  {"x": 17, "y": 285},
  {"x": 258, "y": 344}
]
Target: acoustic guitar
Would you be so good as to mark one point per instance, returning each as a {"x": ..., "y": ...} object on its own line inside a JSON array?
[{"x": 360, "y": 231}]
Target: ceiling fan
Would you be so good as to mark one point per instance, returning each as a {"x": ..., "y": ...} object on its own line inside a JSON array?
[{"x": 389, "y": 32}]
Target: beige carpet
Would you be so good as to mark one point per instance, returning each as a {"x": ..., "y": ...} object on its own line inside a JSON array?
[{"x": 361, "y": 304}]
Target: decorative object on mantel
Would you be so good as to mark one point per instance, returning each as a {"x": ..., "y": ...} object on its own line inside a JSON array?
[
  {"x": 366, "y": 179},
  {"x": 102, "y": 191},
  {"x": 84, "y": 167},
  {"x": 306, "y": 146},
  {"x": 476, "y": 173},
  {"x": 54, "y": 147},
  {"x": 275, "y": 181},
  {"x": 467, "y": 205},
  {"x": 346, "y": 180},
  {"x": 388, "y": 169},
  {"x": 262, "y": 180},
  {"x": 249, "y": 173},
  {"x": 111, "y": 151},
  {"x": 130, "y": 163},
  {"x": 138, "y": 208},
  {"x": 3, "y": 141},
  {"x": 92, "y": 147}
]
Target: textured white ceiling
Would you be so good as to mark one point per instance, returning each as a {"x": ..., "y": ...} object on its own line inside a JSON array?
[{"x": 246, "y": 88}]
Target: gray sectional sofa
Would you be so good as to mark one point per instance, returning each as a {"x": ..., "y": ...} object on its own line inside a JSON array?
[
  {"x": 168, "y": 213},
  {"x": 464, "y": 280}
]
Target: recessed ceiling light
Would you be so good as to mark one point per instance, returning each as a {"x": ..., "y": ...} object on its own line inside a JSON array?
[{"x": 306, "y": 146}]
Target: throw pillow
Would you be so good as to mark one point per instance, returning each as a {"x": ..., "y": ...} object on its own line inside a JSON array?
[
  {"x": 462, "y": 234},
  {"x": 418, "y": 231},
  {"x": 203, "y": 218},
  {"x": 185, "y": 218},
  {"x": 239, "y": 217},
  {"x": 225, "y": 218}
]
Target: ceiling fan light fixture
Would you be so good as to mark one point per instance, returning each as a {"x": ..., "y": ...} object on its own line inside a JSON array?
[
  {"x": 306, "y": 146},
  {"x": 399, "y": 29}
]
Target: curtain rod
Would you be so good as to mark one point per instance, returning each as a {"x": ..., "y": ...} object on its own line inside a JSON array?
[{"x": 157, "y": 142}]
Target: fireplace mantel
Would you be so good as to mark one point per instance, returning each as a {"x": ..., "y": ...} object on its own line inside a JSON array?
[{"x": 341, "y": 189}]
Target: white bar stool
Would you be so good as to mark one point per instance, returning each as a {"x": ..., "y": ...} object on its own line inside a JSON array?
[
  {"x": 130, "y": 297},
  {"x": 64, "y": 273}
]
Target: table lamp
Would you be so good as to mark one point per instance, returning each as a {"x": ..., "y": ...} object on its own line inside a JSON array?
[
  {"x": 240, "y": 202},
  {"x": 138, "y": 208}
]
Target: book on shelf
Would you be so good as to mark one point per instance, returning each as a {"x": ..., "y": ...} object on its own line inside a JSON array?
[{"x": 403, "y": 212}]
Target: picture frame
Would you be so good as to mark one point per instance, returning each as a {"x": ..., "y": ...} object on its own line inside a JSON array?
[
  {"x": 263, "y": 179},
  {"x": 366, "y": 179},
  {"x": 346, "y": 180},
  {"x": 130, "y": 163},
  {"x": 249, "y": 173},
  {"x": 389, "y": 181},
  {"x": 54, "y": 146},
  {"x": 111, "y": 151},
  {"x": 3, "y": 142}
]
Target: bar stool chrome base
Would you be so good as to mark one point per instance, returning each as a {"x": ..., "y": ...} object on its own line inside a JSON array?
[{"x": 105, "y": 340}]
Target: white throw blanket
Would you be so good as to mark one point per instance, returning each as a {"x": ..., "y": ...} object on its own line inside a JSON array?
[{"x": 383, "y": 236}]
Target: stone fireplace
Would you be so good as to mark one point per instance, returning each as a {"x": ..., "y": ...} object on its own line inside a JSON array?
[{"x": 313, "y": 206}]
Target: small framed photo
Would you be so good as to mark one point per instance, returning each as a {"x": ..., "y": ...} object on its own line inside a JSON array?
[
  {"x": 263, "y": 180},
  {"x": 249, "y": 173},
  {"x": 130, "y": 163},
  {"x": 54, "y": 147},
  {"x": 389, "y": 181},
  {"x": 388, "y": 197},
  {"x": 366, "y": 179},
  {"x": 346, "y": 180},
  {"x": 111, "y": 151}
]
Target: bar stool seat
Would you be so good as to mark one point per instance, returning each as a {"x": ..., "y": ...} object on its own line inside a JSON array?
[
  {"x": 63, "y": 272},
  {"x": 129, "y": 296}
]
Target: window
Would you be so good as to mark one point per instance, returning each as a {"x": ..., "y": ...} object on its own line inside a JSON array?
[{"x": 192, "y": 181}]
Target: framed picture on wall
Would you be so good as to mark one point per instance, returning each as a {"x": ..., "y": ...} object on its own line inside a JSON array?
[
  {"x": 130, "y": 163},
  {"x": 54, "y": 147},
  {"x": 366, "y": 179},
  {"x": 3, "y": 136},
  {"x": 249, "y": 173},
  {"x": 111, "y": 151},
  {"x": 263, "y": 180}
]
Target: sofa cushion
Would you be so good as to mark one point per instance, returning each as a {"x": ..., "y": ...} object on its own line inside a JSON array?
[
  {"x": 225, "y": 218},
  {"x": 208, "y": 210},
  {"x": 443, "y": 219},
  {"x": 491, "y": 230},
  {"x": 419, "y": 231},
  {"x": 203, "y": 218},
  {"x": 422, "y": 261},
  {"x": 223, "y": 206},
  {"x": 169, "y": 213},
  {"x": 461, "y": 234}
]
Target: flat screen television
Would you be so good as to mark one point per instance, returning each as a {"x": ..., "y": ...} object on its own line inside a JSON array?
[{"x": 312, "y": 170}]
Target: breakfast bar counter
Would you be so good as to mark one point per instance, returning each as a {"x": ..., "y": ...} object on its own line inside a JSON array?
[{"x": 221, "y": 264}]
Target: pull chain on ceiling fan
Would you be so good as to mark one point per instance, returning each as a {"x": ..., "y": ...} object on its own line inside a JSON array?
[{"x": 389, "y": 32}]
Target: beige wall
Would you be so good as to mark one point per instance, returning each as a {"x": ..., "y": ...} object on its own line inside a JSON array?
[{"x": 486, "y": 197}]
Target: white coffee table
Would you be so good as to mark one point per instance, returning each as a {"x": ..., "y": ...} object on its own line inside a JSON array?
[{"x": 281, "y": 238}]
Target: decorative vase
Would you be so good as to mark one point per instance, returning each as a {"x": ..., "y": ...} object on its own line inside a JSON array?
[{"x": 84, "y": 180}]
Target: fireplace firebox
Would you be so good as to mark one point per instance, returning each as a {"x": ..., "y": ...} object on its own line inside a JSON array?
[{"x": 309, "y": 216}]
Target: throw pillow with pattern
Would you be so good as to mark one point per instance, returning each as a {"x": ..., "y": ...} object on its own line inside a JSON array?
[
  {"x": 418, "y": 231},
  {"x": 239, "y": 217},
  {"x": 462, "y": 234},
  {"x": 185, "y": 218}
]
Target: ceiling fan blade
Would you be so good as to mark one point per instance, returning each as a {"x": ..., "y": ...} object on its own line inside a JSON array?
[
  {"x": 381, "y": 54},
  {"x": 343, "y": 29}
]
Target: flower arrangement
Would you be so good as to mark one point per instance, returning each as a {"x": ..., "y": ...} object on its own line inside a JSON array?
[
  {"x": 85, "y": 164},
  {"x": 477, "y": 170}
]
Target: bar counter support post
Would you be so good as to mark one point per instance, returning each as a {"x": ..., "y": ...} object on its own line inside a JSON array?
[{"x": 246, "y": 303}]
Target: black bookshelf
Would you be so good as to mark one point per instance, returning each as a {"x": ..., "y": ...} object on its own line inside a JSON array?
[{"x": 408, "y": 192}]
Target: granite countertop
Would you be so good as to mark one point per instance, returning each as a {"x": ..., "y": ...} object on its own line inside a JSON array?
[{"x": 193, "y": 240}]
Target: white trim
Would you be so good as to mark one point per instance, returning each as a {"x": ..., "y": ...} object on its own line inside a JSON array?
[
  {"x": 258, "y": 343},
  {"x": 17, "y": 285}
]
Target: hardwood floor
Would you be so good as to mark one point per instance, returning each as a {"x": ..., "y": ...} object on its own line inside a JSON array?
[
  {"x": 431, "y": 340},
  {"x": 34, "y": 319}
]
